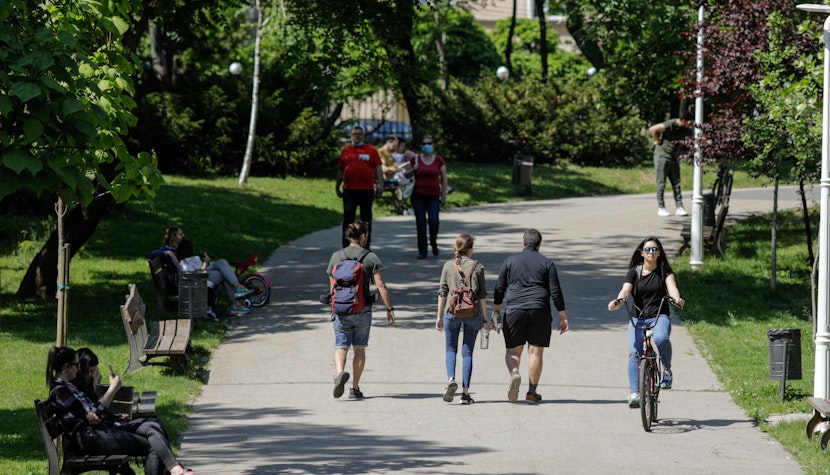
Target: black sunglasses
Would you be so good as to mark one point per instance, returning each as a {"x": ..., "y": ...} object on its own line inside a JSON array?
[{"x": 651, "y": 249}]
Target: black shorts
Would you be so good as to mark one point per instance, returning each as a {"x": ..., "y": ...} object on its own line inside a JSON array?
[{"x": 527, "y": 326}]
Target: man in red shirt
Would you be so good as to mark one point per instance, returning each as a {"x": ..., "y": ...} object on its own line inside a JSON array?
[{"x": 360, "y": 174}]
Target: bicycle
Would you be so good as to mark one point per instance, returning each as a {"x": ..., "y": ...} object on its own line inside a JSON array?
[
  {"x": 650, "y": 367},
  {"x": 253, "y": 280}
]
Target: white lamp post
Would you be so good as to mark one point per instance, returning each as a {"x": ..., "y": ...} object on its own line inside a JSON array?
[
  {"x": 696, "y": 252},
  {"x": 820, "y": 385}
]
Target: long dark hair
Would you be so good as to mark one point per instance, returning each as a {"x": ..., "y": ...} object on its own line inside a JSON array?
[
  {"x": 169, "y": 233},
  {"x": 637, "y": 257},
  {"x": 186, "y": 249},
  {"x": 57, "y": 359},
  {"x": 87, "y": 359}
]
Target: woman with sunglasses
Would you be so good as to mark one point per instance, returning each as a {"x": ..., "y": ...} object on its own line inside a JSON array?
[
  {"x": 93, "y": 430},
  {"x": 649, "y": 279},
  {"x": 429, "y": 194}
]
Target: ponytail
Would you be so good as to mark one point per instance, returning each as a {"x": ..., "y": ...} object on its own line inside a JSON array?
[{"x": 463, "y": 245}]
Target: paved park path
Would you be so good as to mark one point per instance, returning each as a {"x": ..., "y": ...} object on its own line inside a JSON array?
[{"x": 268, "y": 408}]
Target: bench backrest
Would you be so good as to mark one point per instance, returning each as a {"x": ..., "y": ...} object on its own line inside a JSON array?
[
  {"x": 49, "y": 431},
  {"x": 132, "y": 315},
  {"x": 166, "y": 293},
  {"x": 133, "y": 310}
]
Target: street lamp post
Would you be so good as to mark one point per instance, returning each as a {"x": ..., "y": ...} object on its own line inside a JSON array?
[
  {"x": 696, "y": 252},
  {"x": 821, "y": 389}
]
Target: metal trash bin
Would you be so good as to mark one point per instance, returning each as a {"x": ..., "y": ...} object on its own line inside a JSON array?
[
  {"x": 193, "y": 294},
  {"x": 522, "y": 172},
  {"x": 784, "y": 355},
  {"x": 709, "y": 209}
]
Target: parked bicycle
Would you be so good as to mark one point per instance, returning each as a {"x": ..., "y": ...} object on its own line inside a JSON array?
[
  {"x": 253, "y": 280},
  {"x": 650, "y": 366}
]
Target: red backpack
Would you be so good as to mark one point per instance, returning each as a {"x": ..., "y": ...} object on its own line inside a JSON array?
[{"x": 351, "y": 288}]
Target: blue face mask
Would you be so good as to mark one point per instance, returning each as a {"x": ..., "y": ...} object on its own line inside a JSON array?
[
  {"x": 426, "y": 148},
  {"x": 357, "y": 144}
]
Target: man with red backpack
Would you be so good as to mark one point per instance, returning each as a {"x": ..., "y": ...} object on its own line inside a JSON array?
[{"x": 351, "y": 271}]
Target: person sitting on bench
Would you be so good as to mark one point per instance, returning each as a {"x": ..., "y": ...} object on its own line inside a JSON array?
[
  {"x": 92, "y": 429},
  {"x": 89, "y": 375},
  {"x": 177, "y": 248}
]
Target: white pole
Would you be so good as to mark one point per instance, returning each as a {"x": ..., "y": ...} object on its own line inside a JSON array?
[
  {"x": 249, "y": 146},
  {"x": 820, "y": 386},
  {"x": 696, "y": 253}
]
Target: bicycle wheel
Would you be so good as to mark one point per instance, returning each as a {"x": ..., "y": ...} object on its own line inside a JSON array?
[
  {"x": 646, "y": 404},
  {"x": 655, "y": 391},
  {"x": 262, "y": 291}
]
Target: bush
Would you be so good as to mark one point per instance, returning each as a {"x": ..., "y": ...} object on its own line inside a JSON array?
[{"x": 491, "y": 121}]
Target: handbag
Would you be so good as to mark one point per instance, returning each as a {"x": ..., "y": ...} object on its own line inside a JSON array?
[{"x": 462, "y": 298}]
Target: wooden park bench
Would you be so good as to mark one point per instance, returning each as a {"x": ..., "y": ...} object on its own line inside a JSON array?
[
  {"x": 713, "y": 235},
  {"x": 167, "y": 338},
  {"x": 167, "y": 295},
  {"x": 128, "y": 401},
  {"x": 821, "y": 413},
  {"x": 73, "y": 463}
]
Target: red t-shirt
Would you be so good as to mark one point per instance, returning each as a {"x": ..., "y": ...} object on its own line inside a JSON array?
[
  {"x": 358, "y": 165},
  {"x": 428, "y": 177}
]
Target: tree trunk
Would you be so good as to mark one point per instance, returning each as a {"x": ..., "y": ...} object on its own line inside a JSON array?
[
  {"x": 774, "y": 239},
  {"x": 508, "y": 49},
  {"x": 805, "y": 213},
  {"x": 163, "y": 51},
  {"x": 396, "y": 38},
  {"x": 440, "y": 42},
  {"x": 249, "y": 147},
  {"x": 543, "y": 36},
  {"x": 587, "y": 46},
  {"x": 41, "y": 278}
]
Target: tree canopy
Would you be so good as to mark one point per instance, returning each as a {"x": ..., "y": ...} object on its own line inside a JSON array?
[{"x": 65, "y": 102}]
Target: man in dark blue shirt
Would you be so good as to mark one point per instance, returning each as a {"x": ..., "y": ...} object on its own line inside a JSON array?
[{"x": 527, "y": 285}]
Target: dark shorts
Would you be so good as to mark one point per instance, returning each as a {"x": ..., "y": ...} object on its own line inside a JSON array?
[{"x": 527, "y": 326}]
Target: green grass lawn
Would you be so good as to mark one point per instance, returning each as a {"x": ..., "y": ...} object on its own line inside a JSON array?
[{"x": 232, "y": 222}]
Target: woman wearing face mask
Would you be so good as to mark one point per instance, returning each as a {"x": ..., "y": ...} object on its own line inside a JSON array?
[{"x": 429, "y": 194}]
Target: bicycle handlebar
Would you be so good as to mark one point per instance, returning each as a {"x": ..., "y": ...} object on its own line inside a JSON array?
[{"x": 628, "y": 308}]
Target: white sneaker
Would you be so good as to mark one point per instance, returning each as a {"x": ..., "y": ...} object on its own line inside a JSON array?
[
  {"x": 681, "y": 212},
  {"x": 634, "y": 400},
  {"x": 663, "y": 212}
]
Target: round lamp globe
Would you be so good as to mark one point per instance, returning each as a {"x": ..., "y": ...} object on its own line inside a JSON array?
[{"x": 235, "y": 68}]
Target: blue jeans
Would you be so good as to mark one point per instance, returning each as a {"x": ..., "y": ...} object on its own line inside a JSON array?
[
  {"x": 353, "y": 199},
  {"x": 426, "y": 209},
  {"x": 635, "y": 346},
  {"x": 452, "y": 328}
]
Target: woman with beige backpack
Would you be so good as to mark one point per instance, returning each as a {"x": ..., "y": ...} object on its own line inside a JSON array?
[{"x": 458, "y": 272}]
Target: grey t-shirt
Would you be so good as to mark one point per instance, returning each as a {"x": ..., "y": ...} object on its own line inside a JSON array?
[
  {"x": 371, "y": 263},
  {"x": 672, "y": 139}
]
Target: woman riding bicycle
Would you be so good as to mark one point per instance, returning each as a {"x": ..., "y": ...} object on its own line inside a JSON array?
[{"x": 649, "y": 279}]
